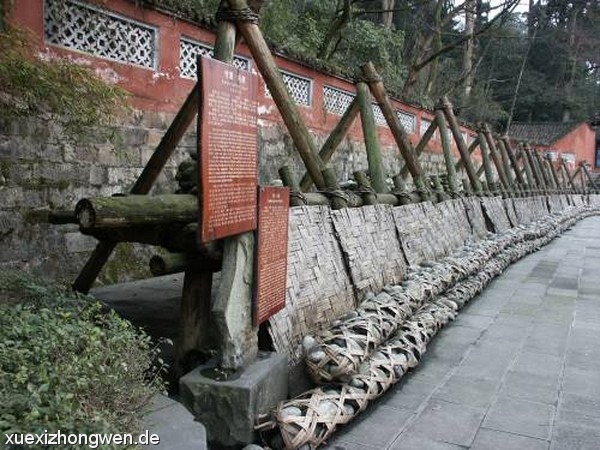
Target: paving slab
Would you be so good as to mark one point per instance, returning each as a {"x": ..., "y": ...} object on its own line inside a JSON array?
[
  {"x": 519, "y": 368},
  {"x": 487, "y": 439}
]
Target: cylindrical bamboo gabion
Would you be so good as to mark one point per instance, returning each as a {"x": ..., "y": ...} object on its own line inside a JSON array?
[{"x": 308, "y": 420}]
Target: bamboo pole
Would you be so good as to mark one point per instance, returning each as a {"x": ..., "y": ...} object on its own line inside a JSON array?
[
  {"x": 333, "y": 141},
  {"x": 367, "y": 119},
  {"x": 289, "y": 111},
  {"x": 460, "y": 143},
  {"x": 447, "y": 149},
  {"x": 405, "y": 146}
]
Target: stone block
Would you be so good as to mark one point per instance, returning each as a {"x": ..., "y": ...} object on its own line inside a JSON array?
[
  {"x": 77, "y": 242},
  {"x": 174, "y": 425},
  {"x": 229, "y": 408}
]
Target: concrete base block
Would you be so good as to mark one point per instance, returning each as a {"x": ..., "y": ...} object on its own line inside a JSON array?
[{"x": 229, "y": 408}]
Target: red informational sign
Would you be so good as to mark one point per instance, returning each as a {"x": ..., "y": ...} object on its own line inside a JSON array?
[
  {"x": 272, "y": 251},
  {"x": 228, "y": 150}
]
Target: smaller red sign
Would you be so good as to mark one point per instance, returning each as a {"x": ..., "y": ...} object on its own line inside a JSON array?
[{"x": 272, "y": 250}]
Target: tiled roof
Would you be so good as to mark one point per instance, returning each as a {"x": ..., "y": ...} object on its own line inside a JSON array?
[{"x": 541, "y": 133}]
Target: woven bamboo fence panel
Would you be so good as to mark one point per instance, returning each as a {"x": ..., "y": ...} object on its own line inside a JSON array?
[
  {"x": 541, "y": 207},
  {"x": 577, "y": 200},
  {"x": 554, "y": 205},
  {"x": 437, "y": 236},
  {"x": 318, "y": 286},
  {"x": 476, "y": 217},
  {"x": 307, "y": 421},
  {"x": 493, "y": 207},
  {"x": 415, "y": 232},
  {"x": 370, "y": 244},
  {"x": 461, "y": 230},
  {"x": 511, "y": 212},
  {"x": 522, "y": 210}
]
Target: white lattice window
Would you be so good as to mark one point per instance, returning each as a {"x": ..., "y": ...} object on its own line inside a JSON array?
[
  {"x": 189, "y": 51},
  {"x": 300, "y": 88},
  {"x": 408, "y": 121},
  {"x": 84, "y": 27},
  {"x": 378, "y": 113},
  {"x": 335, "y": 100}
]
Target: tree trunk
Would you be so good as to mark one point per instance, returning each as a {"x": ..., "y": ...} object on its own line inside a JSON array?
[{"x": 469, "y": 53}]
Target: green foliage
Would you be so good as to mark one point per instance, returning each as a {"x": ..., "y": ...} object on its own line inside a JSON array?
[
  {"x": 306, "y": 28},
  {"x": 54, "y": 89},
  {"x": 66, "y": 364}
]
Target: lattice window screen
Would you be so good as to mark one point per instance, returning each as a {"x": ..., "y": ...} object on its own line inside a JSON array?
[
  {"x": 409, "y": 121},
  {"x": 83, "y": 27},
  {"x": 335, "y": 100},
  {"x": 190, "y": 49},
  {"x": 300, "y": 88},
  {"x": 379, "y": 118}
]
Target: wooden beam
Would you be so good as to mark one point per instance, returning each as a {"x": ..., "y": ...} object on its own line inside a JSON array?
[
  {"x": 446, "y": 106},
  {"x": 447, "y": 149},
  {"x": 487, "y": 132},
  {"x": 287, "y": 108},
  {"x": 369, "y": 127},
  {"x": 400, "y": 135}
]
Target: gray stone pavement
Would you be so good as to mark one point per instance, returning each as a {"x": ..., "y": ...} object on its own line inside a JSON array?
[{"x": 518, "y": 369}]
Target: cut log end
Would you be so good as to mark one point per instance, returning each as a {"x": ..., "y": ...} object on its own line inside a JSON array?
[{"x": 84, "y": 211}]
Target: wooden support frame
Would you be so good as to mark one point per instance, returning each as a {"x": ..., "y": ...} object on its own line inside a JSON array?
[
  {"x": 447, "y": 108},
  {"x": 420, "y": 148},
  {"x": 487, "y": 133},
  {"x": 400, "y": 135},
  {"x": 287, "y": 108}
]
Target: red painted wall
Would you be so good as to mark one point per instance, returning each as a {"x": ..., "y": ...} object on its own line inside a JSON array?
[
  {"x": 165, "y": 90},
  {"x": 581, "y": 142}
]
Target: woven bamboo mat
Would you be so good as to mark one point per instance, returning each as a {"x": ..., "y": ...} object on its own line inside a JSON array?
[
  {"x": 438, "y": 234},
  {"x": 318, "y": 286},
  {"x": 415, "y": 233},
  {"x": 522, "y": 210},
  {"x": 494, "y": 208},
  {"x": 370, "y": 243},
  {"x": 475, "y": 216},
  {"x": 511, "y": 212}
]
